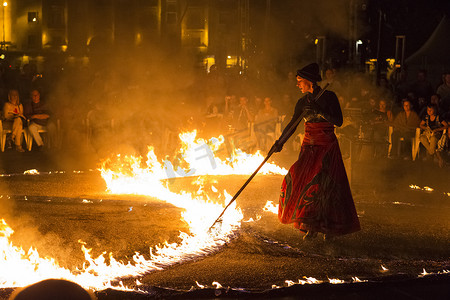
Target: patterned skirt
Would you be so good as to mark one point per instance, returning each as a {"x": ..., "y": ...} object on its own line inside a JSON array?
[{"x": 315, "y": 194}]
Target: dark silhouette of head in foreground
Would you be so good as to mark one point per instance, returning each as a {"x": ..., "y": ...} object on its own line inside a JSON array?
[{"x": 52, "y": 289}]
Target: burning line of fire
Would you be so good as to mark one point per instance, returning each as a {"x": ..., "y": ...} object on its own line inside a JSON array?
[
  {"x": 312, "y": 280},
  {"x": 425, "y": 189},
  {"x": 125, "y": 176}
]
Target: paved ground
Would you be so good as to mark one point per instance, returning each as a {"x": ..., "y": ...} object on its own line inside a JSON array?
[{"x": 404, "y": 230}]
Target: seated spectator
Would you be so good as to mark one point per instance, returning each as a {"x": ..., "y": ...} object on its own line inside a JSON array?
[
  {"x": 405, "y": 125},
  {"x": 383, "y": 109},
  {"x": 443, "y": 147},
  {"x": 444, "y": 92},
  {"x": 352, "y": 122},
  {"x": 370, "y": 107},
  {"x": 367, "y": 113},
  {"x": 257, "y": 104},
  {"x": 421, "y": 107},
  {"x": 266, "y": 120},
  {"x": 422, "y": 88},
  {"x": 414, "y": 101},
  {"x": 382, "y": 118},
  {"x": 432, "y": 127},
  {"x": 13, "y": 118},
  {"x": 435, "y": 100},
  {"x": 38, "y": 116},
  {"x": 231, "y": 106},
  {"x": 286, "y": 106},
  {"x": 354, "y": 103},
  {"x": 213, "y": 117},
  {"x": 212, "y": 107},
  {"x": 330, "y": 79},
  {"x": 243, "y": 115}
]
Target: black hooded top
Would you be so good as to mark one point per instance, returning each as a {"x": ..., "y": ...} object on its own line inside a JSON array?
[{"x": 324, "y": 109}]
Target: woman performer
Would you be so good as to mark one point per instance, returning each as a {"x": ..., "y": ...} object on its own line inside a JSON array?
[{"x": 315, "y": 194}]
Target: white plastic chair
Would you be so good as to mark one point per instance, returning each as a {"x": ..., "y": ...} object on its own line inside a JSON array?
[
  {"x": 5, "y": 132},
  {"x": 51, "y": 143},
  {"x": 415, "y": 142}
]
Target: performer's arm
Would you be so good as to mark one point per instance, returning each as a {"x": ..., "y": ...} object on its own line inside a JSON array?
[
  {"x": 330, "y": 109},
  {"x": 278, "y": 145},
  {"x": 297, "y": 113}
]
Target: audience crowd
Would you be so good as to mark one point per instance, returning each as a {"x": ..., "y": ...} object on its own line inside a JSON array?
[{"x": 103, "y": 110}]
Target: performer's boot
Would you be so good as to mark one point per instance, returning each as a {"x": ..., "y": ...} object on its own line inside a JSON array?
[{"x": 309, "y": 235}]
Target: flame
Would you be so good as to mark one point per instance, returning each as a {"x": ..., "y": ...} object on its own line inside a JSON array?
[
  {"x": 125, "y": 175},
  {"x": 309, "y": 280},
  {"x": 428, "y": 189},
  {"x": 18, "y": 262},
  {"x": 356, "y": 279},
  {"x": 335, "y": 281},
  {"x": 271, "y": 207},
  {"x": 31, "y": 172},
  {"x": 129, "y": 175},
  {"x": 202, "y": 158}
]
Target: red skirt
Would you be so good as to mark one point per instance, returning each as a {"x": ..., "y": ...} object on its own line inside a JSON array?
[{"x": 315, "y": 194}]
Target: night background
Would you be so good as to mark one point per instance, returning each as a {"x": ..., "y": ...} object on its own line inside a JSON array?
[
  {"x": 161, "y": 109},
  {"x": 256, "y": 34}
]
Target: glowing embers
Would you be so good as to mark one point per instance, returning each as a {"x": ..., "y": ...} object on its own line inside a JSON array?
[
  {"x": 195, "y": 157},
  {"x": 425, "y": 189},
  {"x": 31, "y": 172},
  {"x": 126, "y": 175},
  {"x": 20, "y": 268},
  {"x": 271, "y": 207},
  {"x": 211, "y": 157}
]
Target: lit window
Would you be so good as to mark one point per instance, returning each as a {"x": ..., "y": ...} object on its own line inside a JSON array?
[{"x": 32, "y": 16}]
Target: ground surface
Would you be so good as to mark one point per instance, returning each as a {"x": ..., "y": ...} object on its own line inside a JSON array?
[{"x": 404, "y": 230}]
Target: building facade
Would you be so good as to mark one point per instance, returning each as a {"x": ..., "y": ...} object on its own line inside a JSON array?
[{"x": 215, "y": 31}]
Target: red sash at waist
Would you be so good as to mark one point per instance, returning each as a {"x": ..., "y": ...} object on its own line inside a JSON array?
[{"x": 320, "y": 133}]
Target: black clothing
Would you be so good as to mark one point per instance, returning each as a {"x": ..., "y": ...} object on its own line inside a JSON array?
[
  {"x": 36, "y": 109},
  {"x": 326, "y": 108}
]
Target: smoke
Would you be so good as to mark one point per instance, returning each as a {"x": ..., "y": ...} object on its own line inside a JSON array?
[
  {"x": 287, "y": 30},
  {"x": 123, "y": 101}
]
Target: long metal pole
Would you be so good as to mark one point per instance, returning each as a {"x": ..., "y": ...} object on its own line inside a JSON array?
[
  {"x": 271, "y": 151},
  {"x": 243, "y": 187}
]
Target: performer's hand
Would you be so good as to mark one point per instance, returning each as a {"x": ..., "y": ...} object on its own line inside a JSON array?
[
  {"x": 277, "y": 146},
  {"x": 311, "y": 107}
]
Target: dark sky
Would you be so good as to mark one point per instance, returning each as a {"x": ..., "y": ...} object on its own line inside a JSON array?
[
  {"x": 295, "y": 24},
  {"x": 414, "y": 19}
]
